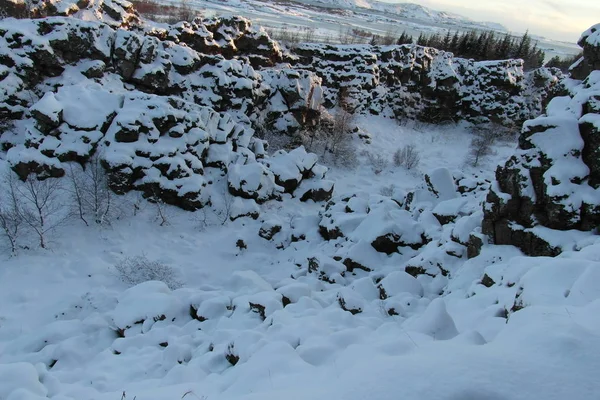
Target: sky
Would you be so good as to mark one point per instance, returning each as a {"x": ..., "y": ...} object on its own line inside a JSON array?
[{"x": 555, "y": 19}]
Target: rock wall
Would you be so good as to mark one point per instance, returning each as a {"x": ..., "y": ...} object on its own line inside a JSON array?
[
  {"x": 187, "y": 61},
  {"x": 552, "y": 182},
  {"x": 590, "y": 43},
  {"x": 116, "y": 13},
  {"x": 411, "y": 81},
  {"x": 163, "y": 117}
]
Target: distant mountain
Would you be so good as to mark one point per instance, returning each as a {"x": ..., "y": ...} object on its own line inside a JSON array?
[{"x": 407, "y": 10}]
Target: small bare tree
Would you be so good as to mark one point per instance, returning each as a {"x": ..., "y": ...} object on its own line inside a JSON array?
[
  {"x": 377, "y": 162},
  {"x": 162, "y": 211},
  {"x": 224, "y": 212},
  {"x": 90, "y": 193},
  {"x": 135, "y": 270},
  {"x": 185, "y": 11},
  {"x": 343, "y": 122},
  {"x": 406, "y": 157},
  {"x": 481, "y": 146},
  {"x": 41, "y": 206},
  {"x": 10, "y": 219}
]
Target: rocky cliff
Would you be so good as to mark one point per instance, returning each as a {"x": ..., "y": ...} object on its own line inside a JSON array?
[
  {"x": 552, "y": 182},
  {"x": 411, "y": 81},
  {"x": 163, "y": 118}
]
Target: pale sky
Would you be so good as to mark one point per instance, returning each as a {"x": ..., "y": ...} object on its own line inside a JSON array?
[{"x": 554, "y": 19}]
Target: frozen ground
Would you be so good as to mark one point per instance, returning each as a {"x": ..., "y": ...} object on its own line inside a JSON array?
[{"x": 70, "y": 329}]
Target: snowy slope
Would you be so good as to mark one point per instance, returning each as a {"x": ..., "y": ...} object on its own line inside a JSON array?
[{"x": 70, "y": 329}]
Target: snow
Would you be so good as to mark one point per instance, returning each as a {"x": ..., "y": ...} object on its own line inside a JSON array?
[
  {"x": 87, "y": 107},
  {"x": 20, "y": 376},
  {"x": 300, "y": 349},
  {"x": 298, "y": 316}
]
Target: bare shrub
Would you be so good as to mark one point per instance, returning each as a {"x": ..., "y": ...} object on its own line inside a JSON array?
[
  {"x": 289, "y": 37},
  {"x": 387, "y": 190},
  {"x": 377, "y": 162},
  {"x": 485, "y": 135},
  {"x": 407, "y": 157},
  {"x": 135, "y": 270},
  {"x": 309, "y": 35},
  {"x": 224, "y": 208},
  {"x": 389, "y": 37},
  {"x": 331, "y": 137},
  {"x": 162, "y": 210}
]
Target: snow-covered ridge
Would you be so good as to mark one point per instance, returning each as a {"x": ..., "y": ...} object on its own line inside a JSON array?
[
  {"x": 407, "y": 10},
  {"x": 417, "y": 82}
]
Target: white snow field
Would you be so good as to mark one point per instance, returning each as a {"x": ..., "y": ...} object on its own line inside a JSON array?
[{"x": 282, "y": 319}]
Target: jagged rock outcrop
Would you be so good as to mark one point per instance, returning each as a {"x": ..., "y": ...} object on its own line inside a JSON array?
[
  {"x": 590, "y": 43},
  {"x": 153, "y": 111},
  {"x": 116, "y": 13},
  {"x": 411, "y": 81},
  {"x": 552, "y": 182},
  {"x": 156, "y": 63},
  {"x": 232, "y": 37}
]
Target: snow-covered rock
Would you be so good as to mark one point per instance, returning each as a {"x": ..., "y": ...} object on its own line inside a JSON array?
[
  {"x": 590, "y": 61},
  {"x": 553, "y": 179},
  {"x": 411, "y": 81}
]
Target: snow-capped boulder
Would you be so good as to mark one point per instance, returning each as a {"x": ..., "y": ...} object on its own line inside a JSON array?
[
  {"x": 590, "y": 43},
  {"x": 269, "y": 229},
  {"x": 252, "y": 181},
  {"x": 441, "y": 184},
  {"x": 315, "y": 190},
  {"x": 326, "y": 269},
  {"x": 399, "y": 282},
  {"x": 350, "y": 301},
  {"x": 449, "y": 210},
  {"x": 435, "y": 322},
  {"x": 388, "y": 229},
  {"x": 150, "y": 301},
  {"x": 341, "y": 216},
  {"x": 290, "y": 169},
  {"x": 243, "y": 208}
]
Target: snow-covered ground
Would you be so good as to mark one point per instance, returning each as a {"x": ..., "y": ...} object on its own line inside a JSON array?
[{"x": 71, "y": 329}]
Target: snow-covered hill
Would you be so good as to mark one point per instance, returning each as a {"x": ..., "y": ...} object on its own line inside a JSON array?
[{"x": 411, "y": 11}]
